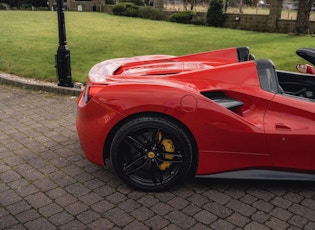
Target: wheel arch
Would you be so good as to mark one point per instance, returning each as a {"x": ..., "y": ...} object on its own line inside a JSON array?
[{"x": 110, "y": 136}]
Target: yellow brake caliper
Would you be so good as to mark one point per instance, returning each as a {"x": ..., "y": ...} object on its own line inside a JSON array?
[{"x": 169, "y": 147}]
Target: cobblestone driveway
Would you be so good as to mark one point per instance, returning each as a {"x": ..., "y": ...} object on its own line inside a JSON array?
[{"x": 46, "y": 183}]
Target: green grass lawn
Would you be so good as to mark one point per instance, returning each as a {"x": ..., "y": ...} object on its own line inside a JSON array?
[{"x": 29, "y": 40}]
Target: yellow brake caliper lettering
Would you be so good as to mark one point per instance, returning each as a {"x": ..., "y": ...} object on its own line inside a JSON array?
[{"x": 169, "y": 147}]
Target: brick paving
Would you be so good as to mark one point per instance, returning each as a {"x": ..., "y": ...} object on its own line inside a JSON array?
[{"x": 46, "y": 182}]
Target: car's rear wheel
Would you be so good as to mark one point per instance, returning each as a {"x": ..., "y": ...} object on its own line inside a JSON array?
[{"x": 151, "y": 153}]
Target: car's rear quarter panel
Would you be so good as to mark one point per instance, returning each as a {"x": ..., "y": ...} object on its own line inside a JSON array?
[
  {"x": 225, "y": 139},
  {"x": 220, "y": 134}
]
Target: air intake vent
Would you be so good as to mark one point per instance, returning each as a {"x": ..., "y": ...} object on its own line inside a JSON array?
[{"x": 221, "y": 99}]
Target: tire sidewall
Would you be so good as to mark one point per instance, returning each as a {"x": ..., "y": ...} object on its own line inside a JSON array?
[{"x": 181, "y": 140}]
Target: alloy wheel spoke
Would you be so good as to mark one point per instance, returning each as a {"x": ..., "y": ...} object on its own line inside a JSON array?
[
  {"x": 176, "y": 158},
  {"x": 134, "y": 143},
  {"x": 157, "y": 176},
  {"x": 135, "y": 165},
  {"x": 155, "y": 136}
]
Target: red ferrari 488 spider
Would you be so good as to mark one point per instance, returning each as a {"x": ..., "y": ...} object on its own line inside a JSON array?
[{"x": 217, "y": 114}]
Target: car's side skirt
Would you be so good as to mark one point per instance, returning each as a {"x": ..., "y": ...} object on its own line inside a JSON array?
[{"x": 257, "y": 174}]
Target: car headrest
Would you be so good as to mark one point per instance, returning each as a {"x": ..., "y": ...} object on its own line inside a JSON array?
[{"x": 267, "y": 75}]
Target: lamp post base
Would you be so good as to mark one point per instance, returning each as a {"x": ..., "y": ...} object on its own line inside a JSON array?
[{"x": 63, "y": 67}]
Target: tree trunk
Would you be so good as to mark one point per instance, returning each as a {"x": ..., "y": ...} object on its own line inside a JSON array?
[
  {"x": 303, "y": 16},
  {"x": 185, "y": 3},
  {"x": 241, "y": 7},
  {"x": 192, "y": 4}
]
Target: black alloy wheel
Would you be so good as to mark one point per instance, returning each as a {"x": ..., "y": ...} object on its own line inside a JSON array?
[{"x": 151, "y": 153}]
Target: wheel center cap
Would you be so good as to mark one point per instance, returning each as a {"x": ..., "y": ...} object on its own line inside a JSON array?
[{"x": 151, "y": 155}]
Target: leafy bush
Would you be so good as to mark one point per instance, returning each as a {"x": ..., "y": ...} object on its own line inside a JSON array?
[
  {"x": 119, "y": 9},
  {"x": 2, "y": 6},
  {"x": 136, "y": 2},
  {"x": 131, "y": 10},
  {"x": 198, "y": 21},
  {"x": 183, "y": 16},
  {"x": 125, "y": 9},
  {"x": 215, "y": 16},
  {"x": 151, "y": 13},
  {"x": 25, "y": 3},
  {"x": 110, "y": 2}
]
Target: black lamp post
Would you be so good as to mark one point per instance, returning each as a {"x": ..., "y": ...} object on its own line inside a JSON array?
[{"x": 63, "y": 67}]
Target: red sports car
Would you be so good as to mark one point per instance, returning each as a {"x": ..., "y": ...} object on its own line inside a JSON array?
[{"x": 217, "y": 114}]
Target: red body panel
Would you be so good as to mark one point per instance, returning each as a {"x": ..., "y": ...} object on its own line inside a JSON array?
[
  {"x": 290, "y": 131},
  {"x": 267, "y": 131}
]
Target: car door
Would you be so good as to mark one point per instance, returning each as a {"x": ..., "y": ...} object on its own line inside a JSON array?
[{"x": 290, "y": 132}]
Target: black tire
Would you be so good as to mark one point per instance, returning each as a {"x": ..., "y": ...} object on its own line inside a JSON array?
[{"x": 151, "y": 153}]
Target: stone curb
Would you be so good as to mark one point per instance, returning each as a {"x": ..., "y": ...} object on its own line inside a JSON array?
[{"x": 24, "y": 83}]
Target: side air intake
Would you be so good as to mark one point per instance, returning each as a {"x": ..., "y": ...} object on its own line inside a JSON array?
[{"x": 221, "y": 99}]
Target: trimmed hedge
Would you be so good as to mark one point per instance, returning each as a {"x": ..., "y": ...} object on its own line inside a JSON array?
[
  {"x": 136, "y": 2},
  {"x": 151, "y": 13},
  {"x": 110, "y": 2},
  {"x": 131, "y": 10},
  {"x": 124, "y": 9},
  {"x": 183, "y": 17}
]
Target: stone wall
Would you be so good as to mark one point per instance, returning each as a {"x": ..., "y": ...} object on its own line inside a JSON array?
[
  {"x": 84, "y": 6},
  {"x": 254, "y": 22},
  {"x": 247, "y": 22},
  {"x": 262, "y": 23}
]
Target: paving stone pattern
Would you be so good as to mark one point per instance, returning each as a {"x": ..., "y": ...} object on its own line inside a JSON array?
[{"x": 46, "y": 183}]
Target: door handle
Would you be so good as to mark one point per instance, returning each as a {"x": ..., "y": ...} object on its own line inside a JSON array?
[{"x": 283, "y": 127}]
